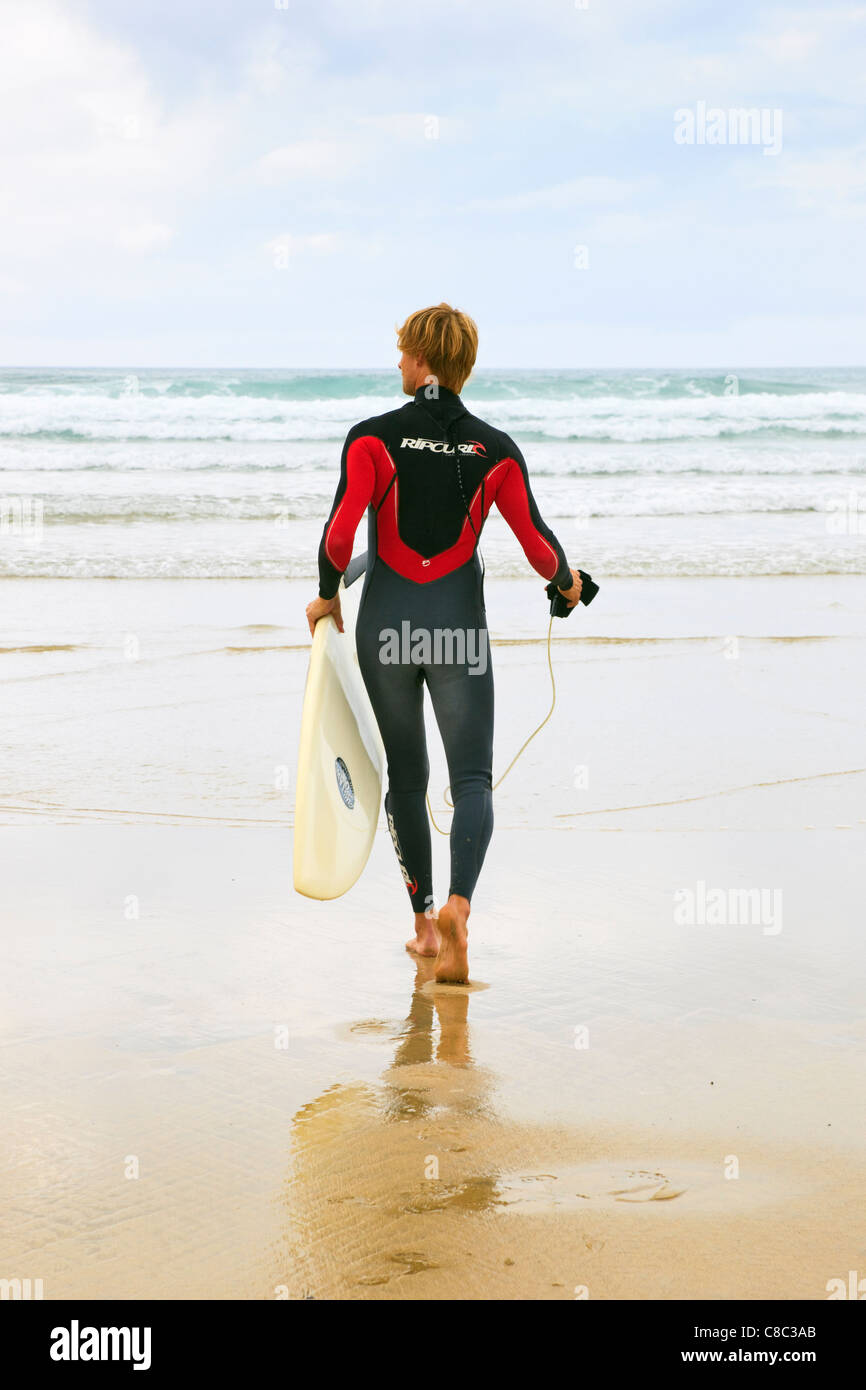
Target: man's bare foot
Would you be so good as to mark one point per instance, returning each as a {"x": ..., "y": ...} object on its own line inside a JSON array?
[
  {"x": 425, "y": 942},
  {"x": 452, "y": 962}
]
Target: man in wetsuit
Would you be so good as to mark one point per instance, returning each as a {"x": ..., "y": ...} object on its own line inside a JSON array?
[{"x": 427, "y": 475}]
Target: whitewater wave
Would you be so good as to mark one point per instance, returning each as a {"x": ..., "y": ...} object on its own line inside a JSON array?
[{"x": 605, "y": 418}]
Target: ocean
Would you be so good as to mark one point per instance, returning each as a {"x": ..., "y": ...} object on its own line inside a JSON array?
[{"x": 230, "y": 474}]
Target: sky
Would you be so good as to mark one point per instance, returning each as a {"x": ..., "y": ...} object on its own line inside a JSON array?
[{"x": 244, "y": 183}]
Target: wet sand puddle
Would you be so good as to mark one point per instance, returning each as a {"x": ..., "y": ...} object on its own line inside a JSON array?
[{"x": 601, "y": 1184}]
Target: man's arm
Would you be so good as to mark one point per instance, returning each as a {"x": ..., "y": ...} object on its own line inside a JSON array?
[
  {"x": 516, "y": 503},
  {"x": 353, "y": 496}
]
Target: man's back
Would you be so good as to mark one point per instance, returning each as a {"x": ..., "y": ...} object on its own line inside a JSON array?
[{"x": 431, "y": 470}]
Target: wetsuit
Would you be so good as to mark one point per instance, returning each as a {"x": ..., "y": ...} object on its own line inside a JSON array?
[{"x": 427, "y": 474}]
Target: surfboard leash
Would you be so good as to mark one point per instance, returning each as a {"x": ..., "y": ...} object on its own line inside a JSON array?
[{"x": 523, "y": 745}]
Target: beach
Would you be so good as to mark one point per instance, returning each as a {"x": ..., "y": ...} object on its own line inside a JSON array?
[
  {"x": 530, "y": 293},
  {"x": 216, "y": 1088}
]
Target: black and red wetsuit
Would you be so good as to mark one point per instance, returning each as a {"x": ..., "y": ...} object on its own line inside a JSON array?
[
  {"x": 393, "y": 464},
  {"x": 427, "y": 475}
]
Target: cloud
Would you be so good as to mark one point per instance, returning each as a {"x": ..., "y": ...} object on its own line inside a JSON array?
[
  {"x": 174, "y": 140},
  {"x": 147, "y": 236},
  {"x": 833, "y": 185},
  {"x": 95, "y": 161},
  {"x": 287, "y": 247},
  {"x": 365, "y": 140},
  {"x": 791, "y": 46},
  {"x": 306, "y": 159},
  {"x": 574, "y": 193}
]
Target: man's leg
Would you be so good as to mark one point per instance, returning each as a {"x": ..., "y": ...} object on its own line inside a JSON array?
[
  {"x": 397, "y": 695},
  {"x": 463, "y": 704}
]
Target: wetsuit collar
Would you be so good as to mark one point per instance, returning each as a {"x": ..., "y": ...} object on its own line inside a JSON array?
[{"x": 444, "y": 403}]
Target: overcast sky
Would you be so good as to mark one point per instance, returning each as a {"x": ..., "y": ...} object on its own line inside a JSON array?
[{"x": 230, "y": 183}]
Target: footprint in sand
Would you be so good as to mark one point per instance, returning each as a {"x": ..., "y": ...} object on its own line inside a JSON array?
[
  {"x": 662, "y": 1193},
  {"x": 477, "y": 1194},
  {"x": 412, "y": 1261},
  {"x": 384, "y": 1029},
  {"x": 581, "y": 1187}
]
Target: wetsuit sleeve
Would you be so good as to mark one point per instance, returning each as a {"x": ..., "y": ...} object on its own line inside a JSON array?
[
  {"x": 353, "y": 496},
  {"x": 516, "y": 503}
]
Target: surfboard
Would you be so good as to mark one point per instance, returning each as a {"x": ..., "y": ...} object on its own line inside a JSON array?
[{"x": 340, "y": 759}]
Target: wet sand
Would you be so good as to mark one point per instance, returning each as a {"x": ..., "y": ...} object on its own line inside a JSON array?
[{"x": 636, "y": 1106}]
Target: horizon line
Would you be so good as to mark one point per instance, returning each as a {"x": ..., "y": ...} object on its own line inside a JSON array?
[{"x": 198, "y": 367}]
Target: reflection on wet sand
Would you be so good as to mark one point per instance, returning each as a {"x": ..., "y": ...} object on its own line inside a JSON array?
[
  {"x": 452, "y": 1012},
  {"x": 417, "y": 1188},
  {"x": 366, "y": 1160}
]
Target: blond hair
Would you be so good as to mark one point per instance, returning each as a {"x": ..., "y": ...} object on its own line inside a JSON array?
[{"x": 446, "y": 338}]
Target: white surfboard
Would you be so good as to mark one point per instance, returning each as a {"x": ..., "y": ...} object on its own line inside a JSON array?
[{"x": 340, "y": 762}]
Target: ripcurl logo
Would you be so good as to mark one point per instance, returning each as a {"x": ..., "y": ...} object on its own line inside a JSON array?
[
  {"x": 438, "y": 446},
  {"x": 411, "y": 883}
]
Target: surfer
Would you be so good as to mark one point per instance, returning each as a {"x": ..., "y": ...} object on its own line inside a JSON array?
[{"x": 427, "y": 475}]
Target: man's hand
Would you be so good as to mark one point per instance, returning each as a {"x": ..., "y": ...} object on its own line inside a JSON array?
[
  {"x": 320, "y": 607},
  {"x": 572, "y": 595}
]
